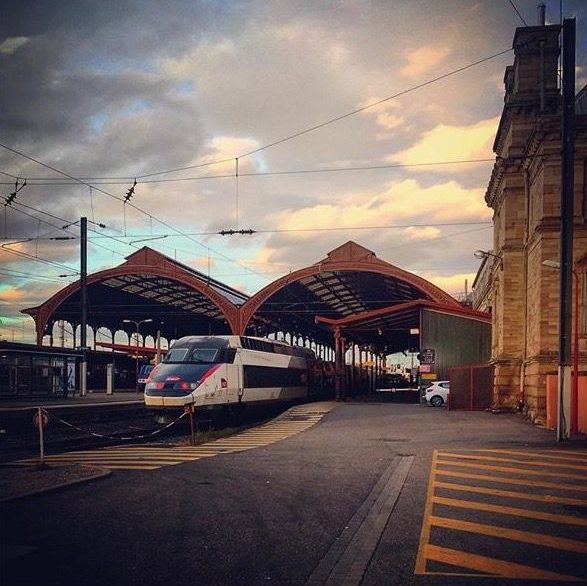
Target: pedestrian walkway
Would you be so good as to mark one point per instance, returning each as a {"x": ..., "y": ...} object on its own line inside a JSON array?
[
  {"x": 147, "y": 457},
  {"x": 508, "y": 513}
]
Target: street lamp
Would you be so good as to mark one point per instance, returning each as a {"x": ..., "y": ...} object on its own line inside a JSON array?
[
  {"x": 138, "y": 325},
  {"x": 553, "y": 264}
]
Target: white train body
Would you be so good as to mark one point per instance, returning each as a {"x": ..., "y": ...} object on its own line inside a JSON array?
[{"x": 212, "y": 371}]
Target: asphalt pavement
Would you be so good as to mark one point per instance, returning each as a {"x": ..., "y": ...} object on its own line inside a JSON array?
[{"x": 341, "y": 493}]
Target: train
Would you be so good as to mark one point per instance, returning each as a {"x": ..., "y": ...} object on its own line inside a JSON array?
[{"x": 214, "y": 372}]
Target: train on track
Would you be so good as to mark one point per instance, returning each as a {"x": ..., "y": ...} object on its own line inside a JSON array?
[{"x": 234, "y": 371}]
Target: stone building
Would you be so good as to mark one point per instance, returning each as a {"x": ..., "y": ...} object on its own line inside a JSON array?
[{"x": 524, "y": 193}]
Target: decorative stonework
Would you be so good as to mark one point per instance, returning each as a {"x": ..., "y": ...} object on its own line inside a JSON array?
[{"x": 524, "y": 192}]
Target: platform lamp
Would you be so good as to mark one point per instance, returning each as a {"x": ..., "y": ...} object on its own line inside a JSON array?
[
  {"x": 553, "y": 264},
  {"x": 138, "y": 325}
]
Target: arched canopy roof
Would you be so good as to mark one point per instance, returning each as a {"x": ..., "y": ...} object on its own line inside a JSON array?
[
  {"x": 350, "y": 280},
  {"x": 179, "y": 300},
  {"x": 149, "y": 285}
]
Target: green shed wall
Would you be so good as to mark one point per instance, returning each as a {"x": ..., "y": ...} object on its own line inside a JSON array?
[{"x": 456, "y": 340}]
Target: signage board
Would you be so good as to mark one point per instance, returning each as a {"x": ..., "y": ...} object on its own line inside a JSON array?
[
  {"x": 429, "y": 376},
  {"x": 427, "y": 356}
]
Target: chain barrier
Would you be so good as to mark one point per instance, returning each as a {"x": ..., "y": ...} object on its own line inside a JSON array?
[{"x": 116, "y": 437}]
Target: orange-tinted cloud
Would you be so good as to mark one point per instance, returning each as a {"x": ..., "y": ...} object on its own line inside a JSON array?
[
  {"x": 423, "y": 60},
  {"x": 451, "y": 143}
]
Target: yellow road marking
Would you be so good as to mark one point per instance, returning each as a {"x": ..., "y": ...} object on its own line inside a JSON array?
[
  {"x": 514, "y": 511},
  {"x": 512, "y": 460},
  {"x": 425, "y": 534},
  {"x": 507, "y": 480},
  {"x": 511, "y": 493},
  {"x": 509, "y": 469},
  {"x": 492, "y": 566},
  {"x": 552, "y": 454},
  {"x": 511, "y": 534}
]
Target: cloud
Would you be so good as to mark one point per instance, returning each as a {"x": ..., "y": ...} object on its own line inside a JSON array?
[
  {"x": 11, "y": 44},
  {"x": 10, "y": 294},
  {"x": 423, "y": 60},
  {"x": 386, "y": 114},
  {"x": 452, "y": 284},
  {"x": 422, "y": 233},
  {"x": 450, "y": 143},
  {"x": 401, "y": 202}
]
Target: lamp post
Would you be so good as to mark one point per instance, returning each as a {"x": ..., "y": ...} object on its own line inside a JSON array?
[
  {"x": 553, "y": 264},
  {"x": 138, "y": 325}
]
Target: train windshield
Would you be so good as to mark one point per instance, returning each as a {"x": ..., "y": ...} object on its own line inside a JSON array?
[{"x": 198, "y": 355}]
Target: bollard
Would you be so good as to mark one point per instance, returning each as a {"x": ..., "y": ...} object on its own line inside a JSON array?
[
  {"x": 40, "y": 419},
  {"x": 109, "y": 378}
]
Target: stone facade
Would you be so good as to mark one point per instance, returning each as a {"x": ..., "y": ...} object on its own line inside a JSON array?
[{"x": 524, "y": 193}]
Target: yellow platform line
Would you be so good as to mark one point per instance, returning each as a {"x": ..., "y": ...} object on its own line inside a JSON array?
[
  {"x": 551, "y": 541},
  {"x": 426, "y": 526},
  {"x": 491, "y": 566},
  {"x": 548, "y": 498},
  {"x": 513, "y": 511},
  {"x": 508, "y": 480},
  {"x": 512, "y": 461},
  {"x": 130, "y": 457},
  {"x": 510, "y": 469}
]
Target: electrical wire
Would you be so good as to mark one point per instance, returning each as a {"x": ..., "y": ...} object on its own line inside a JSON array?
[
  {"x": 37, "y": 181},
  {"x": 343, "y": 116},
  {"x": 517, "y": 12},
  {"x": 128, "y": 203}
]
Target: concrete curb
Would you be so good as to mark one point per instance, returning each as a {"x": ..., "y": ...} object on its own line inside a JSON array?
[{"x": 103, "y": 474}]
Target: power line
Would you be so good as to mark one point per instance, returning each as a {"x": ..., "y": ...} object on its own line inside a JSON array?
[
  {"x": 332, "y": 229},
  {"x": 28, "y": 276},
  {"x": 123, "y": 181},
  {"x": 518, "y": 12},
  {"x": 341, "y": 117},
  {"x": 128, "y": 204}
]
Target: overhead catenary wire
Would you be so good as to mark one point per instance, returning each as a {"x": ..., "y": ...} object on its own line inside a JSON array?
[
  {"x": 274, "y": 143},
  {"x": 342, "y": 116},
  {"x": 179, "y": 232},
  {"x": 38, "y": 181}
]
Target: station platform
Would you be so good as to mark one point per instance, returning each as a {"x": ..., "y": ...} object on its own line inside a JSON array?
[{"x": 93, "y": 398}]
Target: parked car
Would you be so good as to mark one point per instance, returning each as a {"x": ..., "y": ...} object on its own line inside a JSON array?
[
  {"x": 437, "y": 393},
  {"x": 391, "y": 383}
]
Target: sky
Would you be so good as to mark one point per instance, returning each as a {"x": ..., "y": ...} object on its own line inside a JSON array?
[{"x": 311, "y": 123}]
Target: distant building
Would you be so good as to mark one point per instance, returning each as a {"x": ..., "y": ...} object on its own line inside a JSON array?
[{"x": 524, "y": 193}]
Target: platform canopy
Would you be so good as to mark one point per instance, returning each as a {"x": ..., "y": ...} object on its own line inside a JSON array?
[{"x": 308, "y": 304}]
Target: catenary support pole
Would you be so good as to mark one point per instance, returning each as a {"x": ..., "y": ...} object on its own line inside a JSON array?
[
  {"x": 566, "y": 237},
  {"x": 84, "y": 306}
]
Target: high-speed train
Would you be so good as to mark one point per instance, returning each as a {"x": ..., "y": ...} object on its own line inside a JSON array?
[{"x": 217, "y": 371}]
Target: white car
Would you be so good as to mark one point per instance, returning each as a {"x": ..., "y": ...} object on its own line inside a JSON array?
[{"x": 437, "y": 393}]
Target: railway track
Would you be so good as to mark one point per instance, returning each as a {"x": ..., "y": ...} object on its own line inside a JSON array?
[{"x": 70, "y": 429}]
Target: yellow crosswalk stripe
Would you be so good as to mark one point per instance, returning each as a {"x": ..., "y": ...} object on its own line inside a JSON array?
[
  {"x": 511, "y": 534},
  {"x": 549, "y": 454},
  {"x": 511, "y": 469},
  {"x": 456, "y": 477},
  {"x": 543, "y": 498},
  {"x": 492, "y": 566},
  {"x": 512, "y": 460},
  {"x": 515, "y": 511},
  {"x": 509, "y": 480}
]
